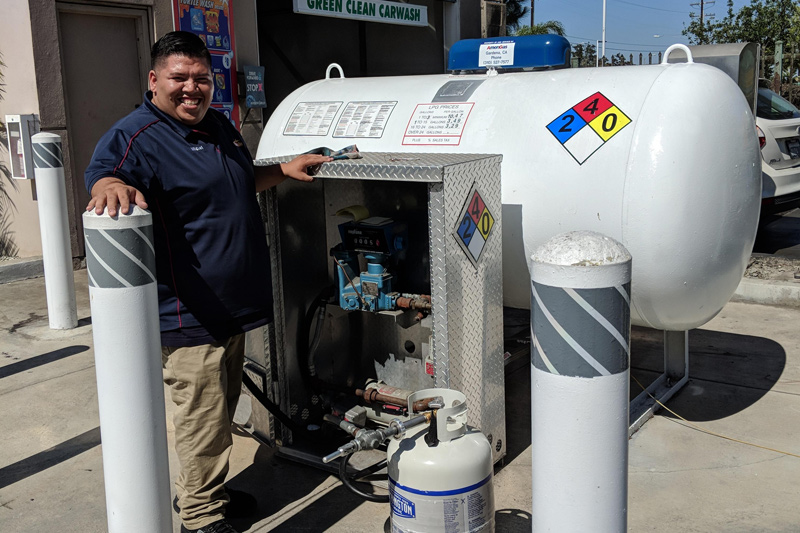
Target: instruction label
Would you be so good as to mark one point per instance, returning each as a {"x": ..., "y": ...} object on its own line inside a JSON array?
[
  {"x": 585, "y": 127},
  {"x": 474, "y": 226},
  {"x": 437, "y": 124},
  {"x": 312, "y": 118},
  {"x": 364, "y": 119},
  {"x": 496, "y": 54}
]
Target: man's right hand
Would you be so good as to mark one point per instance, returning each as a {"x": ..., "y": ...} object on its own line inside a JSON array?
[{"x": 112, "y": 192}]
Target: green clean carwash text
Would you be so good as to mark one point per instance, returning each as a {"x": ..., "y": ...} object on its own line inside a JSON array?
[{"x": 370, "y": 10}]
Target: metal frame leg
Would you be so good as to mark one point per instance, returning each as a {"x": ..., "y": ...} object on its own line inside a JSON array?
[{"x": 675, "y": 376}]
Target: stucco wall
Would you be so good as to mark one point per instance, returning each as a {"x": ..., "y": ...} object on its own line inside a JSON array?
[
  {"x": 18, "y": 209},
  {"x": 34, "y": 84}
]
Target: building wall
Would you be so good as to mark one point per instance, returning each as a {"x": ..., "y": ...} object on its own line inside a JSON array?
[
  {"x": 19, "y": 219},
  {"x": 297, "y": 48},
  {"x": 29, "y": 44}
]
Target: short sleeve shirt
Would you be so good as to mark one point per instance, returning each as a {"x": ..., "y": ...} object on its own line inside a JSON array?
[{"x": 211, "y": 253}]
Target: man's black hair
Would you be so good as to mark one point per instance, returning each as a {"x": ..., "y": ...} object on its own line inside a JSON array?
[{"x": 182, "y": 43}]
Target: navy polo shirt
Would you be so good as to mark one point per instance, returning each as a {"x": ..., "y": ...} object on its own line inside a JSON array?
[{"x": 211, "y": 254}]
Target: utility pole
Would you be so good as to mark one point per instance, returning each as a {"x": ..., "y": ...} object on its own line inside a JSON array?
[
  {"x": 703, "y": 15},
  {"x": 532, "y": 5},
  {"x": 604, "y": 29}
]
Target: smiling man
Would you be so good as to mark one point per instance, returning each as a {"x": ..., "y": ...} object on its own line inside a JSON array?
[{"x": 188, "y": 165}]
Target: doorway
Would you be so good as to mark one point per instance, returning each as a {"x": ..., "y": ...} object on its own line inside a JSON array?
[{"x": 105, "y": 53}]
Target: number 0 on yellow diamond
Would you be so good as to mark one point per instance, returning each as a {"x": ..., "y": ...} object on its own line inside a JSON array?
[
  {"x": 485, "y": 223},
  {"x": 609, "y": 123}
]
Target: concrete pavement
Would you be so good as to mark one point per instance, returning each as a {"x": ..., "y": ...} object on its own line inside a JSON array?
[{"x": 745, "y": 385}]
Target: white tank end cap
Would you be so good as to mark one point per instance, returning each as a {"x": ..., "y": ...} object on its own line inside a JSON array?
[{"x": 581, "y": 248}]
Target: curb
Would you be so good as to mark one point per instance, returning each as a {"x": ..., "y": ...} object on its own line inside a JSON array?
[
  {"x": 768, "y": 292},
  {"x": 20, "y": 269}
]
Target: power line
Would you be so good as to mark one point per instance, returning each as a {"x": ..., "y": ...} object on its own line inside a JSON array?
[
  {"x": 582, "y": 39},
  {"x": 649, "y": 7}
]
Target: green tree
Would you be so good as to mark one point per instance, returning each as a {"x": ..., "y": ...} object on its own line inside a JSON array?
[
  {"x": 551, "y": 26},
  {"x": 515, "y": 11},
  {"x": 762, "y": 21},
  {"x": 586, "y": 54},
  {"x": 618, "y": 60}
]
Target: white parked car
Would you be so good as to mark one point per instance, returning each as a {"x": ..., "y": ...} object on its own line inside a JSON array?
[{"x": 778, "y": 127}]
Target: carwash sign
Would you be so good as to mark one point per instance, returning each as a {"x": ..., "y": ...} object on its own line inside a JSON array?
[{"x": 369, "y": 10}]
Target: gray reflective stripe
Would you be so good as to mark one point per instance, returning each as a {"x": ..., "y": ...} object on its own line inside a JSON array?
[
  {"x": 120, "y": 258},
  {"x": 580, "y": 332},
  {"x": 47, "y": 155}
]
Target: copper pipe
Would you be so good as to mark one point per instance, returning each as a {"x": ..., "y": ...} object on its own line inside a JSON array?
[
  {"x": 422, "y": 303},
  {"x": 373, "y": 396},
  {"x": 422, "y": 405}
]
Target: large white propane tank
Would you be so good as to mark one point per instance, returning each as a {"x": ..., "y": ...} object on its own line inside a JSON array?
[
  {"x": 662, "y": 158},
  {"x": 442, "y": 486}
]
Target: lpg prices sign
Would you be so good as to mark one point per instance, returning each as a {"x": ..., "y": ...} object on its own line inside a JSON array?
[{"x": 368, "y": 10}]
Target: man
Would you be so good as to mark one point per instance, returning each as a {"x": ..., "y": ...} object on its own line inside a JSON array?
[{"x": 190, "y": 167}]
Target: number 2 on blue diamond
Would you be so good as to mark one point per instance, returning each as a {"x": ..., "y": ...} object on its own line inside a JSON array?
[
  {"x": 565, "y": 126},
  {"x": 467, "y": 228}
]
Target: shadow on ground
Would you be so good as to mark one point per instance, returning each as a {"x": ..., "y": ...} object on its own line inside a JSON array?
[
  {"x": 281, "y": 484},
  {"x": 778, "y": 233},
  {"x": 751, "y": 365}
]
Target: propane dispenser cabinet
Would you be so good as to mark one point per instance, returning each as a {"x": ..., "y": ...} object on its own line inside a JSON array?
[{"x": 387, "y": 280}]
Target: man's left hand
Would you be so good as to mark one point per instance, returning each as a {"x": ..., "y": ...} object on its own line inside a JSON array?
[{"x": 303, "y": 167}]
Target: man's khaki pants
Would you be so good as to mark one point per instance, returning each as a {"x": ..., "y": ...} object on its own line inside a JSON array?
[{"x": 204, "y": 382}]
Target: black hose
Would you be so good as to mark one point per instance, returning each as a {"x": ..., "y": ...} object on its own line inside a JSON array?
[
  {"x": 253, "y": 389},
  {"x": 305, "y": 355},
  {"x": 305, "y": 351},
  {"x": 349, "y": 485}
]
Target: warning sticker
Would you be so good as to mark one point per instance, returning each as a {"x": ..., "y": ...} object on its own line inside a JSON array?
[
  {"x": 437, "y": 124},
  {"x": 312, "y": 118},
  {"x": 587, "y": 126},
  {"x": 474, "y": 226},
  {"x": 363, "y": 119}
]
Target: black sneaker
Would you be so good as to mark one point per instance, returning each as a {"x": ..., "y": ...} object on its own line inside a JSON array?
[{"x": 220, "y": 526}]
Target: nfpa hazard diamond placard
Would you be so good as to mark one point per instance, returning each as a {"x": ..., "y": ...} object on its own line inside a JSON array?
[
  {"x": 587, "y": 126},
  {"x": 474, "y": 225}
]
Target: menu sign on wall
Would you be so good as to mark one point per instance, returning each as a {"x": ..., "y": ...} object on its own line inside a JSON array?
[{"x": 212, "y": 21}]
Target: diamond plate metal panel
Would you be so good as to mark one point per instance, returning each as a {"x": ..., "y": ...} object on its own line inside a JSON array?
[
  {"x": 475, "y": 302},
  {"x": 438, "y": 233},
  {"x": 466, "y": 329},
  {"x": 382, "y": 166},
  {"x": 274, "y": 340}
]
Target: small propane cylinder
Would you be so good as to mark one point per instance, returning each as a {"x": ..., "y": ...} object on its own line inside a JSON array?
[{"x": 440, "y": 476}]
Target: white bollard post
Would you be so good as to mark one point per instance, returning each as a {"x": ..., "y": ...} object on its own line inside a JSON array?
[
  {"x": 120, "y": 259},
  {"x": 51, "y": 195},
  {"x": 580, "y": 367}
]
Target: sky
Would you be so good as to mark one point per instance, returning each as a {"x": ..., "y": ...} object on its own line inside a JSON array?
[{"x": 632, "y": 26}]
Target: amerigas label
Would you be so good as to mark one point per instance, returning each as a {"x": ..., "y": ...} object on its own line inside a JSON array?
[{"x": 496, "y": 54}]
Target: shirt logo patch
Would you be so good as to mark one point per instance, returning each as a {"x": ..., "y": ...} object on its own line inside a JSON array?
[
  {"x": 237, "y": 143},
  {"x": 196, "y": 148}
]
